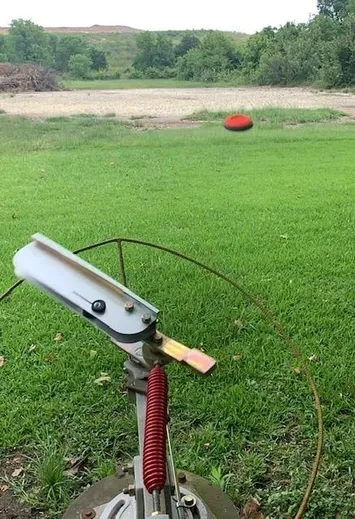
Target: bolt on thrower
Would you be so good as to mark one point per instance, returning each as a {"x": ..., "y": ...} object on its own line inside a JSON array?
[{"x": 151, "y": 486}]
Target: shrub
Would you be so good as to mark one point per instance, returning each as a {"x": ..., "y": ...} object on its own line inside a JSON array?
[
  {"x": 79, "y": 66},
  {"x": 106, "y": 74}
]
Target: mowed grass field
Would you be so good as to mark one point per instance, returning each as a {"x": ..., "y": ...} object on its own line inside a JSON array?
[{"x": 274, "y": 209}]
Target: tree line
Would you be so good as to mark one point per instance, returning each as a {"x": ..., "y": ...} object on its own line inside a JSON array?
[
  {"x": 29, "y": 43},
  {"x": 321, "y": 51}
]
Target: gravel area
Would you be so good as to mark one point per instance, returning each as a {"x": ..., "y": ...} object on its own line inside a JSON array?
[{"x": 170, "y": 104}]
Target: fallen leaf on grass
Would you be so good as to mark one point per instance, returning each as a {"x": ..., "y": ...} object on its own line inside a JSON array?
[
  {"x": 237, "y": 357},
  {"x": 74, "y": 465},
  {"x": 2, "y": 361},
  {"x": 49, "y": 358},
  {"x": 102, "y": 379},
  {"x": 297, "y": 371},
  {"x": 123, "y": 388},
  {"x": 17, "y": 472},
  {"x": 93, "y": 353},
  {"x": 313, "y": 358},
  {"x": 31, "y": 348},
  {"x": 4, "y": 488},
  {"x": 252, "y": 510},
  {"x": 58, "y": 337},
  {"x": 239, "y": 324},
  {"x": 73, "y": 471}
]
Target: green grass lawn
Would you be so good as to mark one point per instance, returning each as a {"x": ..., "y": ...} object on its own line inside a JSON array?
[
  {"x": 114, "y": 84},
  {"x": 273, "y": 208}
]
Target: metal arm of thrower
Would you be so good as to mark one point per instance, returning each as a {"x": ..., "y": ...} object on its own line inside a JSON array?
[{"x": 131, "y": 324}]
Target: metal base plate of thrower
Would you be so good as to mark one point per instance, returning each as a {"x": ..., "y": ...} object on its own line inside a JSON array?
[{"x": 218, "y": 504}]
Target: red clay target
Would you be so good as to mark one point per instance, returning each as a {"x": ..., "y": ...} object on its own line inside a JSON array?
[{"x": 238, "y": 123}]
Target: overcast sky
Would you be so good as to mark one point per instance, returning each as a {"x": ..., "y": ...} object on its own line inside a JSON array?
[{"x": 234, "y": 15}]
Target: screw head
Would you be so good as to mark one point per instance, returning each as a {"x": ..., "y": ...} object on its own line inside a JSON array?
[
  {"x": 128, "y": 469},
  {"x": 146, "y": 318},
  {"x": 129, "y": 306},
  {"x": 182, "y": 477},
  {"x": 157, "y": 338},
  {"x": 131, "y": 490},
  {"x": 189, "y": 500},
  {"x": 88, "y": 513},
  {"x": 98, "y": 306}
]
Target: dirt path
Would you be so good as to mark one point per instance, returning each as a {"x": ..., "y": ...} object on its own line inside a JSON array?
[{"x": 169, "y": 104}]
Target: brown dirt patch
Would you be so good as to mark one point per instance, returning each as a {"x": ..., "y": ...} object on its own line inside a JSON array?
[
  {"x": 169, "y": 104},
  {"x": 10, "y": 505}
]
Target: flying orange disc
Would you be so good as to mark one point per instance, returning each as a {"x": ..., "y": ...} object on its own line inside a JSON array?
[{"x": 238, "y": 123}]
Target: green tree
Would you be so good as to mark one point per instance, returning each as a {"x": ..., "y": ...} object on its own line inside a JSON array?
[
  {"x": 336, "y": 9},
  {"x": 145, "y": 51},
  {"x": 28, "y": 43},
  {"x": 79, "y": 66},
  {"x": 323, "y": 28},
  {"x": 296, "y": 54},
  {"x": 98, "y": 58},
  {"x": 189, "y": 41},
  {"x": 323, "y": 32},
  {"x": 163, "y": 52},
  {"x": 188, "y": 66},
  {"x": 287, "y": 66},
  {"x": 3, "y": 48},
  {"x": 68, "y": 46},
  {"x": 52, "y": 44},
  {"x": 345, "y": 52},
  {"x": 255, "y": 48},
  {"x": 210, "y": 61}
]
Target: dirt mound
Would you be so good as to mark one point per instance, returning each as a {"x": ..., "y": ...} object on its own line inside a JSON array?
[
  {"x": 27, "y": 77},
  {"x": 93, "y": 29}
]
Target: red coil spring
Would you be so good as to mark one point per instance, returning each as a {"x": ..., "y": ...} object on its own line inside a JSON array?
[{"x": 154, "y": 451}]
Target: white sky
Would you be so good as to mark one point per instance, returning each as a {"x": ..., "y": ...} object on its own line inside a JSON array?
[{"x": 234, "y": 15}]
